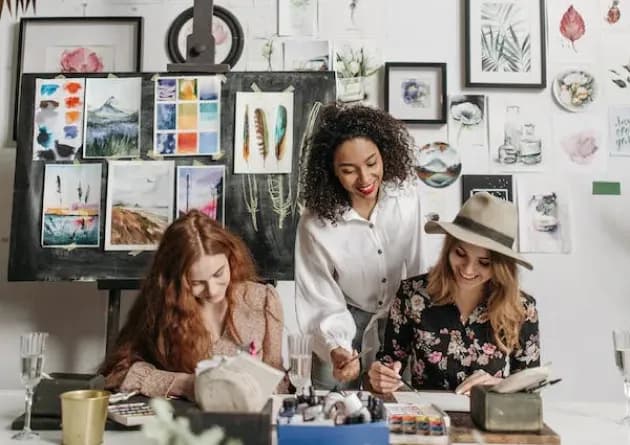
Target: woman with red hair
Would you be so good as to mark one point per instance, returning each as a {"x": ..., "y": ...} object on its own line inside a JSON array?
[{"x": 200, "y": 299}]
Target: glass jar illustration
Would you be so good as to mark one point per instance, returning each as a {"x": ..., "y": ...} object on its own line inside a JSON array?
[
  {"x": 530, "y": 145},
  {"x": 512, "y": 126},
  {"x": 545, "y": 215},
  {"x": 508, "y": 154}
]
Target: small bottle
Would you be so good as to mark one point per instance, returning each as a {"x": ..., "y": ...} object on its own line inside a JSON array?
[
  {"x": 508, "y": 153},
  {"x": 530, "y": 146},
  {"x": 287, "y": 412}
]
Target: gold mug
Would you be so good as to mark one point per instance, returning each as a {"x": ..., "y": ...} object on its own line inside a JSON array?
[{"x": 83, "y": 416}]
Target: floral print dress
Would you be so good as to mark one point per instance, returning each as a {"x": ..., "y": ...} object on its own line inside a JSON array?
[{"x": 444, "y": 351}]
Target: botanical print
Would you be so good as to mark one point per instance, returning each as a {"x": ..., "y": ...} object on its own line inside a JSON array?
[
  {"x": 505, "y": 37},
  {"x": 297, "y": 17},
  {"x": 263, "y": 141},
  {"x": 71, "y": 206},
  {"x": 519, "y": 134},
  {"x": 139, "y": 204},
  {"x": 80, "y": 59},
  {"x": 302, "y": 55},
  {"x": 497, "y": 185},
  {"x": 580, "y": 142},
  {"x": 467, "y": 121},
  {"x": 575, "y": 89},
  {"x": 201, "y": 187},
  {"x": 264, "y": 54},
  {"x": 615, "y": 15},
  {"x": 187, "y": 115},
  {"x": 619, "y": 130},
  {"x": 112, "y": 123},
  {"x": 574, "y": 29},
  {"x": 58, "y": 126},
  {"x": 616, "y": 58},
  {"x": 437, "y": 164},
  {"x": 543, "y": 216},
  {"x": 352, "y": 17},
  {"x": 357, "y": 63}
]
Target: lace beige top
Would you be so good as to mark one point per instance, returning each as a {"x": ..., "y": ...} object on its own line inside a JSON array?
[{"x": 257, "y": 318}]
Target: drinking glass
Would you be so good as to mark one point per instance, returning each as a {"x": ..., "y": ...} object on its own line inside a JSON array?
[
  {"x": 32, "y": 346},
  {"x": 621, "y": 340},
  {"x": 300, "y": 353}
]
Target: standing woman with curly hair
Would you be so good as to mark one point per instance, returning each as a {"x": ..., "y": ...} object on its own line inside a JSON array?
[
  {"x": 201, "y": 298},
  {"x": 357, "y": 238}
]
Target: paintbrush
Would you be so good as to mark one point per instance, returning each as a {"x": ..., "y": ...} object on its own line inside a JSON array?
[{"x": 356, "y": 357}]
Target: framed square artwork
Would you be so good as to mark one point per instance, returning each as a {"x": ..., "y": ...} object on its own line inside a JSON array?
[
  {"x": 416, "y": 92},
  {"x": 77, "y": 45},
  {"x": 505, "y": 43}
]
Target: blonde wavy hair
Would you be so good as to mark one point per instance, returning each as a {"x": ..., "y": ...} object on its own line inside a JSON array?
[{"x": 505, "y": 309}]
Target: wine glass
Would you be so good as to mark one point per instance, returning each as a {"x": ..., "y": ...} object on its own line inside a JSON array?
[
  {"x": 300, "y": 355},
  {"x": 621, "y": 340},
  {"x": 32, "y": 346}
]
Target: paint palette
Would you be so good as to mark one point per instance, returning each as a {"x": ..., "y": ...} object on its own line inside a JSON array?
[{"x": 131, "y": 414}]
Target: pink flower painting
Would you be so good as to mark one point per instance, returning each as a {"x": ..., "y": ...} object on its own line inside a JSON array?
[
  {"x": 581, "y": 147},
  {"x": 81, "y": 60}
]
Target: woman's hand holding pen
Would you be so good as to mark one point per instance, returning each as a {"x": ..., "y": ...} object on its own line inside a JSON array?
[
  {"x": 385, "y": 377},
  {"x": 345, "y": 369}
]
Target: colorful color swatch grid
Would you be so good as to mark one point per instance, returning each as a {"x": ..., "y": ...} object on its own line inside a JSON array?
[{"x": 187, "y": 113}]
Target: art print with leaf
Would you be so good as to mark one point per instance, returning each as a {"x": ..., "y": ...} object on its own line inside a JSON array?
[
  {"x": 264, "y": 132},
  {"x": 467, "y": 121},
  {"x": 616, "y": 69},
  {"x": 574, "y": 29},
  {"x": 505, "y": 43}
]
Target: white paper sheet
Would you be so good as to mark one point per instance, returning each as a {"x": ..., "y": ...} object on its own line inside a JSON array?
[{"x": 447, "y": 401}]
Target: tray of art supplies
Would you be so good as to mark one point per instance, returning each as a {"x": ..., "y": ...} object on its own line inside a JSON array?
[
  {"x": 336, "y": 418},
  {"x": 412, "y": 423}
]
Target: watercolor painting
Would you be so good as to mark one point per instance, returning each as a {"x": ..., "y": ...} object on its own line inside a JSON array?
[
  {"x": 574, "y": 29},
  {"x": 201, "y": 187},
  {"x": 467, "y": 121},
  {"x": 263, "y": 141},
  {"x": 614, "y": 16},
  {"x": 139, "y": 203},
  {"x": 311, "y": 55},
  {"x": 580, "y": 142},
  {"x": 297, "y": 17},
  {"x": 437, "y": 164},
  {"x": 351, "y": 17},
  {"x": 71, "y": 209},
  {"x": 80, "y": 59},
  {"x": 264, "y": 53},
  {"x": 520, "y": 133},
  {"x": 187, "y": 116},
  {"x": 358, "y": 66},
  {"x": 112, "y": 123},
  {"x": 543, "y": 215},
  {"x": 619, "y": 130},
  {"x": 616, "y": 64},
  {"x": 497, "y": 185},
  {"x": 58, "y": 126},
  {"x": 575, "y": 88}
]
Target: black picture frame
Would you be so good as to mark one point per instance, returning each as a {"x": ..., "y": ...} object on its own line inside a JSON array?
[
  {"x": 399, "y": 109},
  {"x": 218, "y": 12},
  {"x": 500, "y": 186},
  {"x": 511, "y": 79},
  {"x": 26, "y": 24}
]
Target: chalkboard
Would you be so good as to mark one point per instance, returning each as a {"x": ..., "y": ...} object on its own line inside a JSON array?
[{"x": 272, "y": 247}]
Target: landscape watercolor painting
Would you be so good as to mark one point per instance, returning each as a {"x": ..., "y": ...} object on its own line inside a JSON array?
[
  {"x": 112, "y": 122},
  {"x": 71, "y": 205},
  {"x": 139, "y": 204},
  {"x": 201, "y": 187},
  {"x": 187, "y": 116},
  {"x": 58, "y": 126}
]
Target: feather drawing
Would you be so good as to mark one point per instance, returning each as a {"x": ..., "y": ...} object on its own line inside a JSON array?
[
  {"x": 246, "y": 135},
  {"x": 260, "y": 122},
  {"x": 281, "y": 132}
]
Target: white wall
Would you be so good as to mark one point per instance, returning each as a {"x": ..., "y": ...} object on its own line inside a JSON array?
[{"x": 581, "y": 296}]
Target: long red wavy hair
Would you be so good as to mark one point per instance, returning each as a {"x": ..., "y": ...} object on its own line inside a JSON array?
[{"x": 164, "y": 326}]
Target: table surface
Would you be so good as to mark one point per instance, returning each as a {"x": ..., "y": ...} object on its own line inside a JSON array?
[{"x": 576, "y": 423}]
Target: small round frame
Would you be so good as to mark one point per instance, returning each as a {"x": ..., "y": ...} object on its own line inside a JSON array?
[{"x": 228, "y": 33}]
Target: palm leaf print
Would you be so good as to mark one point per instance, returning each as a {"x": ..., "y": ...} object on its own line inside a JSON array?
[{"x": 505, "y": 38}]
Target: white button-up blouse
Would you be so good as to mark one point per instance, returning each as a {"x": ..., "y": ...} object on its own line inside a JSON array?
[{"x": 355, "y": 262}]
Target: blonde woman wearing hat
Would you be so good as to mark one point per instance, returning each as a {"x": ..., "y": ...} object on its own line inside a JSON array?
[{"x": 466, "y": 322}]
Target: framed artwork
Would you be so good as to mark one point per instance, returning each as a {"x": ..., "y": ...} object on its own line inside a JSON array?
[
  {"x": 497, "y": 185},
  {"x": 77, "y": 45},
  {"x": 201, "y": 187},
  {"x": 416, "y": 92},
  {"x": 227, "y": 31},
  {"x": 505, "y": 43}
]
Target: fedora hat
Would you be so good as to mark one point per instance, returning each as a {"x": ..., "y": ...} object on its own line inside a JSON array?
[{"x": 485, "y": 221}]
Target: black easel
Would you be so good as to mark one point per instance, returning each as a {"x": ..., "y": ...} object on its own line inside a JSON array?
[
  {"x": 114, "y": 289},
  {"x": 200, "y": 49}
]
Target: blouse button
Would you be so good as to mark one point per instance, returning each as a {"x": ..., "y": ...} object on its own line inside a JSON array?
[
  {"x": 380, "y": 303},
  {"x": 384, "y": 280},
  {"x": 380, "y": 252},
  {"x": 371, "y": 226}
]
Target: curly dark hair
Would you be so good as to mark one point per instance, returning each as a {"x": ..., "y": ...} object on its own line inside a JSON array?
[{"x": 323, "y": 193}]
